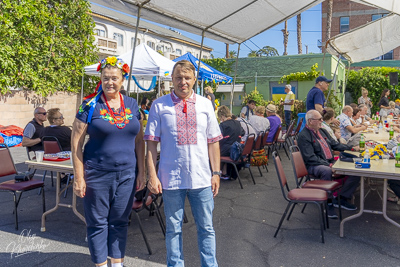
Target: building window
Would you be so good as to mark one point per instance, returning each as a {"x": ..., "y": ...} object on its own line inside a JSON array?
[
  {"x": 99, "y": 32},
  {"x": 133, "y": 41},
  {"x": 167, "y": 49},
  {"x": 160, "y": 48},
  {"x": 344, "y": 24},
  {"x": 178, "y": 52},
  {"x": 378, "y": 16},
  {"x": 119, "y": 38},
  {"x": 151, "y": 44},
  {"x": 205, "y": 57}
]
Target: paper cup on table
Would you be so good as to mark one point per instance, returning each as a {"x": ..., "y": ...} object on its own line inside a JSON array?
[
  {"x": 385, "y": 158},
  {"x": 39, "y": 156}
]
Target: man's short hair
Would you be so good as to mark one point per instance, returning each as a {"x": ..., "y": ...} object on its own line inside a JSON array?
[
  {"x": 251, "y": 101},
  {"x": 37, "y": 110},
  {"x": 186, "y": 65},
  {"x": 288, "y": 86},
  {"x": 346, "y": 108},
  {"x": 310, "y": 114},
  {"x": 361, "y": 106}
]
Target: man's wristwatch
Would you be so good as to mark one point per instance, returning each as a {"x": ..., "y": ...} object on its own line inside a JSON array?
[{"x": 217, "y": 173}]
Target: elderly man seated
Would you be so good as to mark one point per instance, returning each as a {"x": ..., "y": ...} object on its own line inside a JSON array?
[
  {"x": 316, "y": 147},
  {"x": 364, "y": 119},
  {"x": 346, "y": 128}
]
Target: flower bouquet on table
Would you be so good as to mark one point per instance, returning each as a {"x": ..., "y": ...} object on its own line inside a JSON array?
[{"x": 376, "y": 152}]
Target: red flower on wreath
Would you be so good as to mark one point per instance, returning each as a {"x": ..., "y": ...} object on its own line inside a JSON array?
[
  {"x": 99, "y": 67},
  {"x": 125, "y": 68}
]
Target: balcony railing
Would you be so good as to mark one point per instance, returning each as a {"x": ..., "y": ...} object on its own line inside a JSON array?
[{"x": 106, "y": 45}]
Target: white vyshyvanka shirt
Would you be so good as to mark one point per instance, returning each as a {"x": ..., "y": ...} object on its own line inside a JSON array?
[{"x": 184, "y": 138}]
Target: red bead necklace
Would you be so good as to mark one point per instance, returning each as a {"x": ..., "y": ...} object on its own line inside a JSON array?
[{"x": 122, "y": 114}]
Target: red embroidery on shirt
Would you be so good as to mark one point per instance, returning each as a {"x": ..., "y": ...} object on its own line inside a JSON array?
[{"x": 186, "y": 124}]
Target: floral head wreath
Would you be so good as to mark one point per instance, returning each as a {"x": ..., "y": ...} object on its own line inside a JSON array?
[{"x": 113, "y": 61}]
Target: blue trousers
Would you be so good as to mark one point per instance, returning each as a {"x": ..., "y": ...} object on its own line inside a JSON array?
[
  {"x": 202, "y": 204},
  {"x": 107, "y": 204},
  {"x": 288, "y": 118}
]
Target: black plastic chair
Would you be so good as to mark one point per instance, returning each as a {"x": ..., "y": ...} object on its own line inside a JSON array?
[
  {"x": 244, "y": 159},
  {"x": 7, "y": 167},
  {"x": 300, "y": 195}
]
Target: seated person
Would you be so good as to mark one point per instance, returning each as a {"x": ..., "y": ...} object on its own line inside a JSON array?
[
  {"x": 364, "y": 119},
  {"x": 33, "y": 130},
  {"x": 316, "y": 147},
  {"x": 274, "y": 121},
  {"x": 247, "y": 111},
  {"x": 346, "y": 128},
  {"x": 338, "y": 136},
  {"x": 259, "y": 122},
  {"x": 393, "y": 109},
  {"x": 355, "y": 117},
  {"x": 231, "y": 131},
  {"x": 247, "y": 127},
  {"x": 62, "y": 133},
  {"x": 328, "y": 115}
]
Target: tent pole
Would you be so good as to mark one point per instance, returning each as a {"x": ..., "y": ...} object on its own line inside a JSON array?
[
  {"x": 330, "y": 85},
  {"x": 234, "y": 78},
  {"x": 83, "y": 74},
  {"x": 159, "y": 86},
  {"x": 134, "y": 45},
  {"x": 202, "y": 87},
  {"x": 201, "y": 52}
]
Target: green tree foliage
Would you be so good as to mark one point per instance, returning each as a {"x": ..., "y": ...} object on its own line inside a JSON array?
[
  {"x": 232, "y": 54},
  {"x": 266, "y": 51},
  {"x": 45, "y": 44},
  {"x": 220, "y": 64},
  {"x": 374, "y": 80},
  {"x": 256, "y": 96},
  {"x": 301, "y": 76}
]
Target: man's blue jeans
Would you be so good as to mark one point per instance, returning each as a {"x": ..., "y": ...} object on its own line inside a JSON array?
[
  {"x": 288, "y": 118},
  {"x": 202, "y": 204}
]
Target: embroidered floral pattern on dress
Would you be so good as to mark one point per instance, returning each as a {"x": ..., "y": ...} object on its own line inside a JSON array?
[
  {"x": 122, "y": 118},
  {"x": 186, "y": 124},
  {"x": 152, "y": 138},
  {"x": 215, "y": 139}
]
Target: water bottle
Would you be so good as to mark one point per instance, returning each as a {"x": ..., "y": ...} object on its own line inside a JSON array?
[
  {"x": 391, "y": 132},
  {"x": 397, "y": 156},
  {"x": 367, "y": 158},
  {"x": 362, "y": 143},
  {"x": 380, "y": 126}
]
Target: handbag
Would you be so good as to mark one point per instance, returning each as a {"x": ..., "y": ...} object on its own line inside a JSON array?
[
  {"x": 347, "y": 157},
  {"x": 23, "y": 176},
  {"x": 236, "y": 151},
  {"x": 258, "y": 158}
]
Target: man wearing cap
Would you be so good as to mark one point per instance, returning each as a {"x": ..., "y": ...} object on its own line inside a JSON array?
[
  {"x": 33, "y": 130},
  {"x": 316, "y": 146},
  {"x": 315, "y": 97},
  {"x": 288, "y": 105},
  {"x": 274, "y": 121}
]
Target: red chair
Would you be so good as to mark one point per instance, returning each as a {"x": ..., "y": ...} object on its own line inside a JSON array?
[
  {"x": 7, "y": 167},
  {"x": 300, "y": 172},
  {"x": 149, "y": 203},
  {"x": 258, "y": 145},
  {"x": 296, "y": 132},
  {"x": 299, "y": 195},
  {"x": 272, "y": 145},
  {"x": 285, "y": 142},
  {"x": 244, "y": 159}
]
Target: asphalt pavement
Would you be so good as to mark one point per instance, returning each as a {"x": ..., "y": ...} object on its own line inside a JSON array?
[{"x": 245, "y": 221}]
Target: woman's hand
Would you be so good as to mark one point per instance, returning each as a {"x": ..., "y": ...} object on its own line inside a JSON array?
[
  {"x": 79, "y": 187},
  {"x": 154, "y": 185}
]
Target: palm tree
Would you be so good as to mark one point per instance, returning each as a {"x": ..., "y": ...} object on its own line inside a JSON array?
[
  {"x": 329, "y": 20},
  {"x": 285, "y": 39},
  {"x": 299, "y": 45},
  {"x": 253, "y": 53},
  {"x": 232, "y": 54}
]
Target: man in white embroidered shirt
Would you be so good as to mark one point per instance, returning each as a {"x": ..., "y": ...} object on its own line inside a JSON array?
[{"x": 186, "y": 127}]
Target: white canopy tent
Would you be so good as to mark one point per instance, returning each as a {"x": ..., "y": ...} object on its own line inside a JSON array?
[
  {"x": 371, "y": 40},
  {"x": 228, "y": 21},
  {"x": 368, "y": 41},
  {"x": 147, "y": 64}
]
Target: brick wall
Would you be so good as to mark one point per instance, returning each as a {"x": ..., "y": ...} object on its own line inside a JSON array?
[{"x": 16, "y": 108}]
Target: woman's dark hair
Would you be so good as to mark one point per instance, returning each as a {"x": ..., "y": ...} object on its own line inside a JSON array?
[
  {"x": 144, "y": 101},
  {"x": 355, "y": 111},
  {"x": 384, "y": 92},
  {"x": 328, "y": 114}
]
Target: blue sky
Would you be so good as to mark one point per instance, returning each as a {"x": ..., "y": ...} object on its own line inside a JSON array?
[{"x": 311, "y": 32}]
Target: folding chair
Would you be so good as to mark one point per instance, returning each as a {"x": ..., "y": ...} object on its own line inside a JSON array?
[
  {"x": 7, "y": 167},
  {"x": 244, "y": 158},
  {"x": 272, "y": 145},
  {"x": 51, "y": 145},
  {"x": 147, "y": 203},
  {"x": 258, "y": 145},
  {"x": 300, "y": 172},
  {"x": 296, "y": 132},
  {"x": 285, "y": 142},
  {"x": 299, "y": 195}
]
